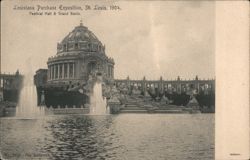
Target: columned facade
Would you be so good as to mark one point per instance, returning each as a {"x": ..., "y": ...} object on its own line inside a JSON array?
[
  {"x": 65, "y": 70},
  {"x": 80, "y": 56}
]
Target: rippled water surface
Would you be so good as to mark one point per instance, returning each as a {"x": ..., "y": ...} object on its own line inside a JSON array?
[{"x": 123, "y": 136}]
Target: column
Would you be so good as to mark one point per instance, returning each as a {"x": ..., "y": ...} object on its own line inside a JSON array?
[
  {"x": 56, "y": 71},
  {"x": 68, "y": 70},
  {"x": 3, "y": 83},
  {"x": 59, "y": 71},
  {"x": 112, "y": 72},
  {"x": 144, "y": 85},
  {"x": 198, "y": 87},
  {"x": 54, "y": 68},
  {"x": 73, "y": 70},
  {"x": 50, "y": 73},
  {"x": 63, "y": 71},
  {"x": 58, "y": 68},
  {"x": 160, "y": 84}
]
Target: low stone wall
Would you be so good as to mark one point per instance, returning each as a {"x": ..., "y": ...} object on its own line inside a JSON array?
[
  {"x": 7, "y": 112},
  {"x": 52, "y": 111},
  {"x": 7, "y": 109}
]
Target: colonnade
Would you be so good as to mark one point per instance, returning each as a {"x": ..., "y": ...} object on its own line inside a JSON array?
[
  {"x": 179, "y": 86},
  {"x": 61, "y": 71}
]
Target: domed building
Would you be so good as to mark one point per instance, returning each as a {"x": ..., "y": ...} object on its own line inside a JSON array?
[{"x": 80, "y": 55}]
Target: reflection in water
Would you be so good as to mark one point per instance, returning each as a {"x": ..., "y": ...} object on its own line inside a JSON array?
[
  {"x": 87, "y": 137},
  {"x": 124, "y": 136}
]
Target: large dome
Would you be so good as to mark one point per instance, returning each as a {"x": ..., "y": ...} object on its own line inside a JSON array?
[{"x": 80, "y": 39}]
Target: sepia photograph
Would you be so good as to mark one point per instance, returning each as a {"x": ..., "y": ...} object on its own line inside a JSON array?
[{"x": 120, "y": 80}]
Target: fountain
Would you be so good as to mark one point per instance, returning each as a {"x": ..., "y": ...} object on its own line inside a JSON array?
[
  {"x": 98, "y": 103},
  {"x": 27, "y": 105}
]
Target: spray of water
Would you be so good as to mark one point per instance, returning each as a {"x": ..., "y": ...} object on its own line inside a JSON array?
[
  {"x": 98, "y": 103},
  {"x": 27, "y": 105}
]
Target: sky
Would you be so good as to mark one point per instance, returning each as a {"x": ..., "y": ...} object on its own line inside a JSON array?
[{"x": 145, "y": 38}]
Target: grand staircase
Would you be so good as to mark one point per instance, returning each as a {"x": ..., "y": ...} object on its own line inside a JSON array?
[
  {"x": 133, "y": 109},
  {"x": 133, "y": 106}
]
